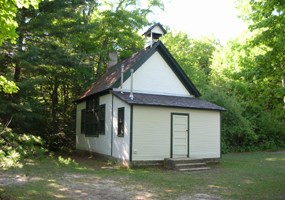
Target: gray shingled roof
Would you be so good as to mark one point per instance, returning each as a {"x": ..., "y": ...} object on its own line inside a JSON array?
[{"x": 167, "y": 101}]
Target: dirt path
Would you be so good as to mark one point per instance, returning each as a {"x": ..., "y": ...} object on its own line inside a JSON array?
[
  {"x": 88, "y": 187},
  {"x": 85, "y": 187},
  {"x": 91, "y": 187}
]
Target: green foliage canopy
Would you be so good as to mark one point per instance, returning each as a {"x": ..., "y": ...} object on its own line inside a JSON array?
[
  {"x": 194, "y": 55},
  {"x": 267, "y": 19},
  {"x": 8, "y": 13}
]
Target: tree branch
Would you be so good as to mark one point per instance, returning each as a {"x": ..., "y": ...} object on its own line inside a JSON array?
[{"x": 6, "y": 125}]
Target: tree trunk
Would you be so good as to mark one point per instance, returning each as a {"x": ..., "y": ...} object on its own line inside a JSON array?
[
  {"x": 65, "y": 91},
  {"x": 54, "y": 107},
  {"x": 17, "y": 72},
  {"x": 101, "y": 58},
  {"x": 283, "y": 84},
  {"x": 21, "y": 16}
]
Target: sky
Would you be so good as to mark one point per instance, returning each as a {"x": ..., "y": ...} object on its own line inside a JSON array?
[{"x": 202, "y": 18}]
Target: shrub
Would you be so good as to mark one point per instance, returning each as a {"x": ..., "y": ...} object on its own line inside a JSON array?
[
  {"x": 270, "y": 128},
  {"x": 15, "y": 147},
  {"x": 236, "y": 131}
]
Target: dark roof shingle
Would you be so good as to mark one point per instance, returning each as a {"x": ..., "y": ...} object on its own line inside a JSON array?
[
  {"x": 167, "y": 101},
  {"x": 112, "y": 75}
]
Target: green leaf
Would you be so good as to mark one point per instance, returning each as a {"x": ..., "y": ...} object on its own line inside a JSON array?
[{"x": 8, "y": 87}]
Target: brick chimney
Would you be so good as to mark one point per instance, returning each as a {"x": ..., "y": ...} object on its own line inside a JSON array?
[{"x": 113, "y": 59}]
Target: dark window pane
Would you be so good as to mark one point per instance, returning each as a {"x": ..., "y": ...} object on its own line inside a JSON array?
[
  {"x": 121, "y": 119},
  {"x": 102, "y": 119},
  {"x": 92, "y": 117}
]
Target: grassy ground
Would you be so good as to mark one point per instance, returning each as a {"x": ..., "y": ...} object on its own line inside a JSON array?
[{"x": 239, "y": 176}]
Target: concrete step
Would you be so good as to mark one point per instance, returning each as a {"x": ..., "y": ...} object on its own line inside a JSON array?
[
  {"x": 183, "y": 160},
  {"x": 186, "y": 164},
  {"x": 194, "y": 169},
  {"x": 190, "y": 165}
]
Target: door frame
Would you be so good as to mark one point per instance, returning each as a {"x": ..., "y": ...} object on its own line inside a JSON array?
[{"x": 171, "y": 133}]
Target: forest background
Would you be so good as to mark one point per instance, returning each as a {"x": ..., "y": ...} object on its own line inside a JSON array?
[{"x": 51, "y": 51}]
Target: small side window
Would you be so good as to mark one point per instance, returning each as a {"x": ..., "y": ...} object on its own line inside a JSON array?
[
  {"x": 121, "y": 119},
  {"x": 102, "y": 114}
]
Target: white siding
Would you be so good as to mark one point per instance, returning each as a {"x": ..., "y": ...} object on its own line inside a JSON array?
[
  {"x": 152, "y": 133},
  {"x": 156, "y": 77},
  {"x": 79, "y": 136},
  {"x": 121, "y": 145},
  {"x": 102, "y": 143},
  {"x": 204, "y": 134}
]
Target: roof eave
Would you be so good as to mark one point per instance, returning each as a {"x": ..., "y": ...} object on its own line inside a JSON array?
[
  {"x": 170, "y": 106},
  {"x": 100, "y": 93},
  {"x": 132, "y": 102}
]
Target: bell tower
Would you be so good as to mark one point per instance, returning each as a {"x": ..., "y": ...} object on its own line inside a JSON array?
[{"x": 153, "y": 34}]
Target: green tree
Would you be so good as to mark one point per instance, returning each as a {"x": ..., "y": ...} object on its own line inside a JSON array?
[
  {"x": 117, "y": 26},
  {"x": 62, "y": 48},
  {"x": 8, "y": 23},
  {"x": 267, "y": 19},
  {"x": 236, "y": 71},
  {"x": 194, "y": 55}
]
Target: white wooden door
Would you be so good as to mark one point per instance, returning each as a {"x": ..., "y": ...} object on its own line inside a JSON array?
[{"x": 180, "y": 135}]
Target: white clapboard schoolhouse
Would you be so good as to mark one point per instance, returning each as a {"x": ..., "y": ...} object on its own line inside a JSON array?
[{"x": 145, "y": 108}]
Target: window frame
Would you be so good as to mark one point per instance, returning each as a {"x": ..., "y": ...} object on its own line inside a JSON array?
[
  {"x": 93, "y": 118},
  {"x": 102, "y": 119},
  {"x": 121, "y": 122},
  {"x": 91, "y": 125}
]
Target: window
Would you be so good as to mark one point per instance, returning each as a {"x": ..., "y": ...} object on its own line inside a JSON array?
[
  {"x": 90, "y": 123},
  {"x": 121, "y": 119},
  {"x": 102, "y": 119},
  {"x": 83, "y": 121},
  {"x": 93, "y": 118}
]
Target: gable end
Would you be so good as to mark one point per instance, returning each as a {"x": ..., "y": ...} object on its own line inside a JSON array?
[
  {"x": 137, "y": 65},
  {"x": 178, "y": 71},
  {"x": 112, "y": 79},
  {"x": 175, "y": 67}
]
